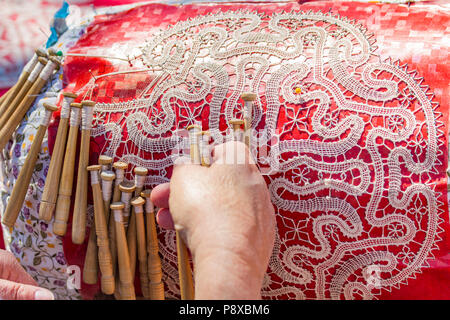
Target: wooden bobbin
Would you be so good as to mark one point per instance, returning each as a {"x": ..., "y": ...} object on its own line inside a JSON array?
[
  {"x": 126, "y": 281},
  {"x": 139, "y": 175},
  {"x": 80, "y": 207},
  {"x": 237, "y": 129},
  {"x": 67, "y": 175},
  {"x": 138, "y": 205},
  {"x": 184, "y": 266},
  {"x": 193, "y": 130},
  {"x": 107, "y": 177},
  {"x": 14, "y": 91},
  {"x": 119, "y": 168},
  {"x": 90, "y": 268},
  {"x": 28, "y": 100},
  {"x": 127, "y": 188},
  {"x": 12, "y": 105},
  {"x": 23, "y": 180},
  {"x": 101, "y": 229},
  {"x": 249, "y": 98},
  {"x": 205, "y": 151},
  {"x": 49, "y": 196},
  {"x": 52, "y": 52},
  {"x": 156, "y": 286},
  {"x": 105, "y": 161}
]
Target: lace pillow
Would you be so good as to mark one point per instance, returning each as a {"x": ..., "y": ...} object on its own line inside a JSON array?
[{"x": 351, "y": 143}]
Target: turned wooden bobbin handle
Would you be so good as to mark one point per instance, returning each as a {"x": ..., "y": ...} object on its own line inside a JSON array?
[
  {"x": 138, "y": 205},
  {"x": 19, "y": 113},
  {"x": 79, "y": 211},
  {"x": 119, "y": 168},
  {"x": 90, "y": 268},
  {"x": 127, "y": 188},
  {"x": 17, "y": 99},
  {"x": 101, "y": 228},
  {"x": 204, "y": 147},
  {"x": 49, "y": 196},
  {"x": 139, "y": 181},
  {"x": 156, "y": 286},
  {"x": 193, "y": 131},
  {"x": 23, "y": 180},
  {"x": 67, "y": 175},
  {"x": 249, "y": 98},
  {"x": 126, "y": 281},
  {"x": 14, "y": 91},
  {"x": 107, "y": 178}
]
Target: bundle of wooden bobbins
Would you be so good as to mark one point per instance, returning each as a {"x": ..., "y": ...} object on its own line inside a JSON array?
[
  {"x": 123, "y": 230},
  {"x": 14, "y": 106}
]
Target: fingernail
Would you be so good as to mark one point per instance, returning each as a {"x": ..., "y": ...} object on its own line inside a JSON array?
[{"x": 43, "y": 295}]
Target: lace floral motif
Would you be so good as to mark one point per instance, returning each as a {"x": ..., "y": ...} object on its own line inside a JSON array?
[{"x": 352, "y": 153}]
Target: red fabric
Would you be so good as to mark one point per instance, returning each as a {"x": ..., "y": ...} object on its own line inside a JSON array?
[{"x": 402, "y": 32}]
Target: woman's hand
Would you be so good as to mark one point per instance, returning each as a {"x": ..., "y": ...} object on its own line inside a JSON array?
[
  {"x": 224, "y": 214},
  {"x": 16, "y": 284}
]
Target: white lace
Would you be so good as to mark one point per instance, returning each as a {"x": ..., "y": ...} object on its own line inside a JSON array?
[{"x": 346, "y": 90}]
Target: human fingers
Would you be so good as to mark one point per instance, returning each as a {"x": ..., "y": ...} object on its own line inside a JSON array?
[
  {"x": 164, "y": 219},
  {"x": 10, "y": 269},
  {"x": 10, "y": 290},
  {"x": 160, "y": 195},
  {"x": 232, "y": 152}
]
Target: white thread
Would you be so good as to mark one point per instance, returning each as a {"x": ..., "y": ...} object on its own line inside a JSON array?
[
  {"x": 48, "y": 70},
  {"x": 75, "y": 117},
  {"x": 94, "y": 177},
  {"x": 35, "y": 73},
  {"x": 31, "y": 64},
  {"x": 87, "y": 116},
  {"x": 125, "y": 198},
  {"x": 248, "y": 110},
  {"x": 107, "y": 189},
  {"x": 118, "y": 215},
  {"x": 238, "y": 135},
  {"x": 120, "y": 174},
  {"x": 139, "y": 181},
  {"x": 193, "y": 135},
  {"x": 65, "y": 108},
  {"x": 205, "y": 151},
  {"x": 46, "y": 118},
  {"x": 149, "y": 206},
  {"x": 105, "y": 167}
]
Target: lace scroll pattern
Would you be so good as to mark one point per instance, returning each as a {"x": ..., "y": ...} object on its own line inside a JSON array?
[{"x": 354, "y": 144}]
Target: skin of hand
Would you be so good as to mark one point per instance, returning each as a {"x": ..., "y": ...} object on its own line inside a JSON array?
[
  {"x": 16, "y": 284},
  {"x": 225, "y": 216}
]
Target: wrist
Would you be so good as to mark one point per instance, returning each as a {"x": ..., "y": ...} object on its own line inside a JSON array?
[{"x": 224, "y": 274}]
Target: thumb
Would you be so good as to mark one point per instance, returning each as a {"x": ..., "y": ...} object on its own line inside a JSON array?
[{"x": 10, "y": 290}]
